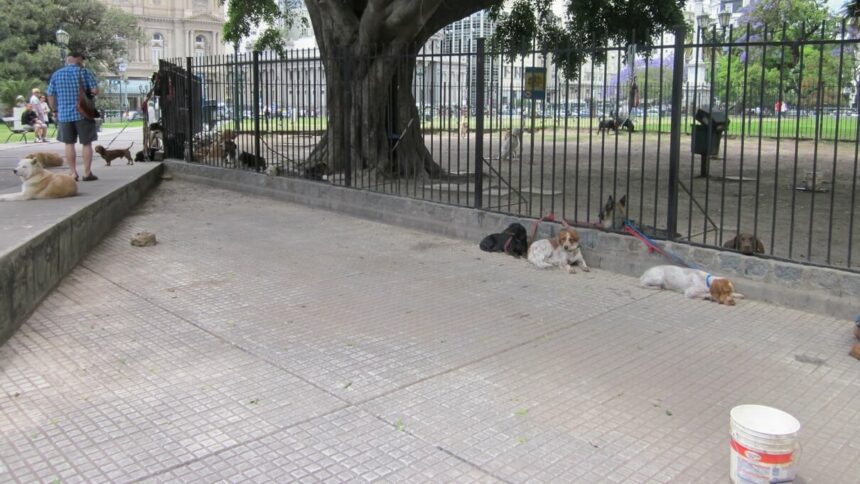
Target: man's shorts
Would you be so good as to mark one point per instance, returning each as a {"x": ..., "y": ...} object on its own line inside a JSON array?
[{"x": 82, "y": 131}]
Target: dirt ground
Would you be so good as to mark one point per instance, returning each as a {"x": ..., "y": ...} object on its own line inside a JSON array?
[{"x": 572, "y": 172}]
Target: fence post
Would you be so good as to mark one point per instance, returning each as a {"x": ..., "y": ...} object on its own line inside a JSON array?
[
  {"x": 256, "y": 100},
  {"x": 345, "y": 114},
  {"x": 479, "y": 125},
  {"x": 189, "y": 103},
  {"x": 675, "y": 133}
]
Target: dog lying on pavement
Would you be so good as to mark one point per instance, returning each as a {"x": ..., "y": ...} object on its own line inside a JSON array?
[
  {"x": 39, "y": 183},
  {"x": 250, "y": 160},
  {"x": 512, "y": 241},
  {"x": 48, "y": 160},
  {"x": 692, "y": 282},
  {"x": 561, "y": 251},
  {"x": 110, "y": 155}
]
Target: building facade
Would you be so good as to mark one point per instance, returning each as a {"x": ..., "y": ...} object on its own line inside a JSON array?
[{"x": 171, "y": 29}]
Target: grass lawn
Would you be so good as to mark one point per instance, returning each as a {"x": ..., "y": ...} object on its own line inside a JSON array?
[{"x": 788, "y": 127}]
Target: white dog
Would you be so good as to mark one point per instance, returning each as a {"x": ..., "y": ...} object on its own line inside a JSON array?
[
  {"x": 40, "y": 183},
  {"x": 512, "y": 144},
  {"x": 562, "y": 251},
  {"x": 692, "y": 282}
]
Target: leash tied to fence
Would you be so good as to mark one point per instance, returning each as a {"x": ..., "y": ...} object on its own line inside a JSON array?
[
  {"x": 631, "y": 229},
  {"x": 550, "y": 217}
]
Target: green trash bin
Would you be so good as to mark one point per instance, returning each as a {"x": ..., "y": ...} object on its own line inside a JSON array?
[
  {"x": 706, "y": 140},
  {"x": 707, "y": 135}
]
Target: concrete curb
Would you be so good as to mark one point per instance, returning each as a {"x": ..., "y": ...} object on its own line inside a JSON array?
[
  {"x": 812, "y": 289},
  {"x": 31, "y": 270}
]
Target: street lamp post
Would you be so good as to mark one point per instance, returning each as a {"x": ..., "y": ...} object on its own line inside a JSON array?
[
  {"x": 121, "y": 67},
  {"x": 63, "y": 43}
]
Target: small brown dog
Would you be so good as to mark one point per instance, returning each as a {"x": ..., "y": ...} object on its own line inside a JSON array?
[
  {"x": 110, "y": 155},
  {"x": 464, "y": 129},
  {"x": 745, "y": 243},
  {"x": 48, "y": 160}
]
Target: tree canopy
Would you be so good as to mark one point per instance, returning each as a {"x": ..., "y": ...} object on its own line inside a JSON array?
[
  {"x": 793, "y": 72},
  {"x": 28, "y": 46},
  {"x": 583, "y": 28}
]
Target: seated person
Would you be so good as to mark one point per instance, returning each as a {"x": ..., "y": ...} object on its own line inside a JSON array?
[{"x": 30, "y": 118}]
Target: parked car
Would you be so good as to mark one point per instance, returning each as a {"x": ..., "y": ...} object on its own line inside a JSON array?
[
  {"x": 133, "y": 115},
  {"x": 844, "y": 112}
]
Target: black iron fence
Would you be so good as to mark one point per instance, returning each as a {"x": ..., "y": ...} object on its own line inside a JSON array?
[{"x": 736, "y": 132}]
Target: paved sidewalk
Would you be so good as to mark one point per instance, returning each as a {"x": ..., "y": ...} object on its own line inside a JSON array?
[
  {"x": 267, "y": 341},
  {"x": 10, "y": 153}
]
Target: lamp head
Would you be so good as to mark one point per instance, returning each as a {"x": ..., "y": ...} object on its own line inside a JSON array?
[
  {"x": 62, "y": 37},
  {"x": 725, "y": 18}
]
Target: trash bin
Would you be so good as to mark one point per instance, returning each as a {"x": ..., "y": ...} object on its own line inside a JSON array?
[{"x": 707, "y": 135}]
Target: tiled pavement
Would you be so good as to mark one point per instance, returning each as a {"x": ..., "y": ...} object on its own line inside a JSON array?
[{"x": 266, "y": 341}]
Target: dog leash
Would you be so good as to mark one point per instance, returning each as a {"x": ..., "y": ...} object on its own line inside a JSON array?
[
  {"x": 550, "y": 217},
  {"x": 631, "y": 229}
]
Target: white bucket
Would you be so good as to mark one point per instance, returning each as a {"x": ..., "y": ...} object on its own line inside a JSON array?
[{"x": 763, "y": 446}]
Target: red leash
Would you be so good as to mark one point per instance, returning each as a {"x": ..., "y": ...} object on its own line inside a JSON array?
[{"x": 550, "y": 217}]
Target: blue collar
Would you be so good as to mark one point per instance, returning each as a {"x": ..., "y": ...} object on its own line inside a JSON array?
[{"x": 708, "y": 280}]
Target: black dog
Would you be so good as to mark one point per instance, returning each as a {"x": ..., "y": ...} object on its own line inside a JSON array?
[
  {"x": 316, "y": 172},
  {"x": 139, "y": 156},
  {"x": 614, "y": 125},
  {"x": 513, "y": 241},
  {"x": 250, "y": 160}
]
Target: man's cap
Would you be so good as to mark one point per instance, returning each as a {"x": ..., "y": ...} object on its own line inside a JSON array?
[{"x": 79, "y": 54}]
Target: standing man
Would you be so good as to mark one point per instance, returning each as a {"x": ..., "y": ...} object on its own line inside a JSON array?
[{"x": 71, "y": 126}]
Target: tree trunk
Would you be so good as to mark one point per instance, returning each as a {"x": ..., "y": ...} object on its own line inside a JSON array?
[
  {"x": 368, "y": 53},
  {"x": 373, "y": 120}
]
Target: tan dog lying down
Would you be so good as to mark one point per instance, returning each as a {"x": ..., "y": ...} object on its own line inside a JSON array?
[
  {"x": 48, "y": 160},
  {"x": 40, "y": 183}
]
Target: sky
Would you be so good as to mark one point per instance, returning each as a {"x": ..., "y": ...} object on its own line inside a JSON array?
[{"x": 835, "y": 5}]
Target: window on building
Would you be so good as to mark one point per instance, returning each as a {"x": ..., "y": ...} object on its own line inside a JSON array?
[
  {"x": 199, "y": 46},
  {"x": 157, "y": 48}
]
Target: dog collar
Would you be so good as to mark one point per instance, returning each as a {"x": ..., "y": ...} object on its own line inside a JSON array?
[{"x": 708, "y": 280}]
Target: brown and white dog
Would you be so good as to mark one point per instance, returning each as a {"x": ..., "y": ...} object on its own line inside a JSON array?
[
  {"x": 110, "y": 155},
  {"x": 745, "y": 243},
  {"x": 40, "y": 183},
  {"x": 561, "y": 251},
  {"x": 692, "y": 282},
  {"x": 48, "y": 160}
]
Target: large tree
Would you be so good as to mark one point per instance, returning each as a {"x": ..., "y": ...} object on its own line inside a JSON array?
[
  {"x": 28, "y": 46},
  {"x": 368, "y": 50}
]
